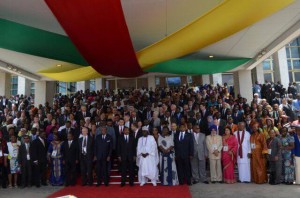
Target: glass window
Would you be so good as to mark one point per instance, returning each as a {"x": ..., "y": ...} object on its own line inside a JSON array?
[
  {"x": 227, "y": 78},
  {"x": 296, "y": 64},
  {"x": 32, "y": 88},
  {"x": 297, "y": 76},
  {"x": 295, "y": 52},
  {"x": 268, "y": 77},
  {"x": 288, "y": 55},
  {"x": 289, "y": 64},
  {"x": 173, "y": 81},
  {"x": 93, "y": 85},
  {"x": 14, "y": 85},
  {"x": 291, "y": 76},
  {"x": 295, "y": 42},
  {"x": 62, "y": 88},
  {"x": 157, "y": 81},
  {"x": 266, "y": 65}
]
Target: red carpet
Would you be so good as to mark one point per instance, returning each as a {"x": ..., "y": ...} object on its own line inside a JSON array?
[{"x": 115, "y": 191}]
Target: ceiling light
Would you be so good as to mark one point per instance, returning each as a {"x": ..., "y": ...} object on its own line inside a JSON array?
[
  {"x": 58, "y": 65},
  {"x": 211, "y": 56},
  {"x": 9, "y": 67},
  {"x": 14, "y": 69},
  {"x": 19, "y": 72}
]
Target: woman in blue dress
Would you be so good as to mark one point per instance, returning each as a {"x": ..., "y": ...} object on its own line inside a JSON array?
[
  {"x": 288, "y": 168},
  {"x": 55, "y": 158}
]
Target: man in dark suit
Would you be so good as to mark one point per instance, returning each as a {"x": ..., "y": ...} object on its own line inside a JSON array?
[
  {"x": 237, "y": 116},
  {"x": 184, "y": 150},
  {"x": 134, "y": 117},
  {"x": 81, "y": 115},
  {"x": 103, "y": 150},
  {"x": 136, "y": 132},
  {"x": 64, "y": 132},
  {"x": 39, "y": 159},
  {"x": 70, "y": 157},
  {"x": 126, "y": 155},
  {"x": 86, "y": 153},
  {"x": 25, "y": 153}
]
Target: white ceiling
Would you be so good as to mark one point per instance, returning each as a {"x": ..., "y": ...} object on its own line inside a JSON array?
[{"x": 149, "y": 21}]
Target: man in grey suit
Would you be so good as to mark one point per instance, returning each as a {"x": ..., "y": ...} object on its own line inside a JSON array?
[{"x": 198, "y": 162}]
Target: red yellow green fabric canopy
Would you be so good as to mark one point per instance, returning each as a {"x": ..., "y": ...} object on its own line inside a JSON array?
[{"x": 98, "y": 42}]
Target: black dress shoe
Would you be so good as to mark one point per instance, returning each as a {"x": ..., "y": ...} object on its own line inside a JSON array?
[
  {"x": 106, "y": 184},
  {"x": 98, "y": 184},
  {"x": 206, "y": 182},
  {"x": 44, "y": 184},
  {"x": 83, "y": 184},
  {"x": 220, "y": 182},
  {"x": 38, "y": 186},
  {"x": 180, "y": 183},
  {"x": 24, "y": 186},
  {"x": 189, "y": 184},
  {"x": 131, "y": 184},
  {"x": 195, "y": 182},
  {"x": 66, "y": 185},
  {"x": 213, "y": 182},
  {"x": 122, "y": 184}
]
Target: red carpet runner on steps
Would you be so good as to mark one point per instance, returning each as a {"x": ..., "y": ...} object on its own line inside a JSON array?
[{"x": 115, "y": 191}]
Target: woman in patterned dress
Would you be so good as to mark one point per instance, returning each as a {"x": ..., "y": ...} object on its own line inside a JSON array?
[
  {"x": 288, "y": 169},
  {"x": 14, "y": 168},
  {"x": 168, "y": 172},
  {"x": 55, "y": 158}
]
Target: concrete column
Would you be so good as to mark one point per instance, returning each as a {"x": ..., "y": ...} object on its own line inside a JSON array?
[
  {"x": 216, "y": 79},
  {"x": 151, "y": 82},
  {"x": 99, "y": 84},
  {"x": 5, "y": 84},
  {"x": 24, "y": 86},
  {"x": 44, "y": 92},
  {"x": 83, "y": 85},
  {"x": 205, "y": 79},
  {"x": 281, "y": 72},
  {"x": 258, "y": 74},
  {"x": 243, "y": 84}
]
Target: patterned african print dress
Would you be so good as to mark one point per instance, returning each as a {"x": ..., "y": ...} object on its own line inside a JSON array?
[
  {"x": 168, "y": 172},
  {"x": 55, "y": 154},
  {"x": 288, "y": 168}
]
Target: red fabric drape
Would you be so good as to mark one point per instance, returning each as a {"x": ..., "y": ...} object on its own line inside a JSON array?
[{"x": 99, "y": 31}]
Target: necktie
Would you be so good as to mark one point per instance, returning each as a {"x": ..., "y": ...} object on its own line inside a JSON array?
[
  {"x": 181, "y": 136},
  {"x": 27, "y": 148},
  {"x": 103, "y": 137},
  {"x": 69, "y": 144},
  {"x": 84, "y": 142},
  {"x": 83, "y": 114}
]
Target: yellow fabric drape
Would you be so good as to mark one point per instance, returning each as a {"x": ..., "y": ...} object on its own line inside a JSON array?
[
  {"x": 228, "y": 18},
  {"x": 78, "y": 74}
]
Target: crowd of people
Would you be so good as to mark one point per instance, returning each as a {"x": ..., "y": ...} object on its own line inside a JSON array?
[{"x": 169, "y": 135}]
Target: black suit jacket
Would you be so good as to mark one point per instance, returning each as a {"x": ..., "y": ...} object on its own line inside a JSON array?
[
  {"x": 22, "y": 156},
  {"x": 89, "y": 148},
  {"x": 80, "y": 116},
  {"x": 64, "y": 134},
  {"x": 103, "y": 148},
  {"x": 126, "y": 150},
  {"x": 70, "y": 154},
  {"x": 185, "y": 147},
  {"x": 39, "y": 151}
]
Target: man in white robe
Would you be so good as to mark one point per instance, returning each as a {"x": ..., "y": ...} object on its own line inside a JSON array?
[
  {"x": 243, "y": 155},
  {"x": 147, "y": 158}
]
